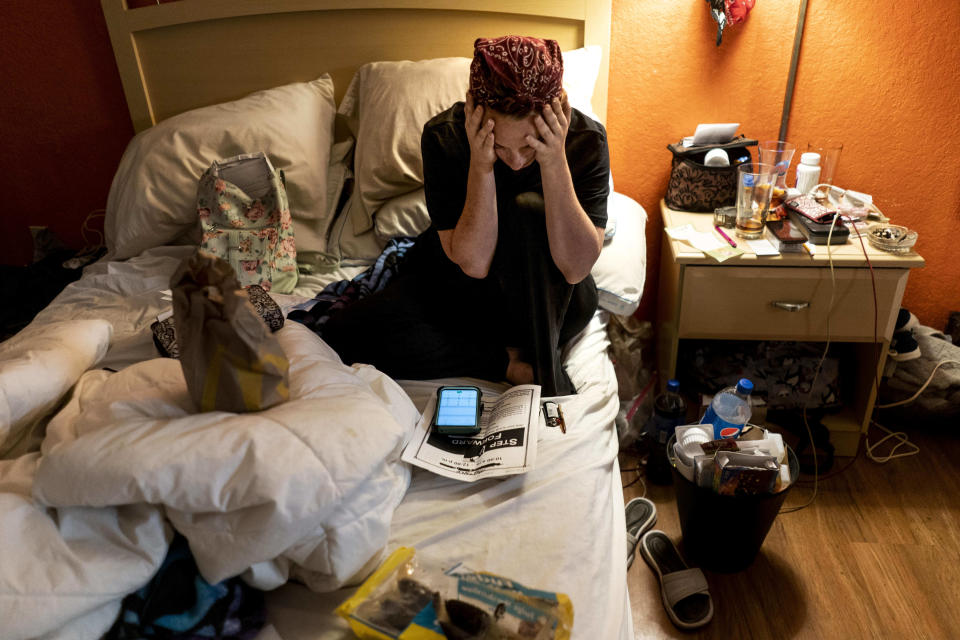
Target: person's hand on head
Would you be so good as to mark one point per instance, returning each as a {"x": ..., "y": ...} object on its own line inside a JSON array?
[
  {"x": 479, "y": 134},
  {"x": 552, "y": 124}
]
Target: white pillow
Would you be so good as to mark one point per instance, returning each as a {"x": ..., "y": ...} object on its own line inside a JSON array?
[
  {"x": 387, "y": 104},
  {"x": 580, "y": 70},
  {"x": 404, "y": 215},
  {"x": 152, "y": 200},
  {"x": 621, "y": 269}
]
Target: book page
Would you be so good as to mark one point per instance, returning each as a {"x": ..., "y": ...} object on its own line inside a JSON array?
[{"x": 505, "y": 445}]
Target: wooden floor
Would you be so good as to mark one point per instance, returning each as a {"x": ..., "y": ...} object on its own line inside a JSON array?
[{"x": 877, "y": 555}]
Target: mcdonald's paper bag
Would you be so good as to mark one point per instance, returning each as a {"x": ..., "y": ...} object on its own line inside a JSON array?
[{"x": 230, "y": 359}]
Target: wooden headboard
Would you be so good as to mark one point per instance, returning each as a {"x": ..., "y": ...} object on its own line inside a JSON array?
[{"x": 180, "y": 55}]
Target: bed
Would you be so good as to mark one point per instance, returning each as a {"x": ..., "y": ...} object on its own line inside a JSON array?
[{"x": 102, "y": 455}]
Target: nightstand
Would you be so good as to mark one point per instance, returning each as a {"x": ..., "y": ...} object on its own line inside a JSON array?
[{"x": 785, "y": 297}]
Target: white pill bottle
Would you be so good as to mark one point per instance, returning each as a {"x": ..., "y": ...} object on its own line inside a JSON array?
[{"x": 808, "y": 172}]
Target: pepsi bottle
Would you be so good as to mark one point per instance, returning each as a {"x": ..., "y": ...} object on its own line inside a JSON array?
[
  {"x": 669, "y": 410},
  {"x": 729, "y": 410}
]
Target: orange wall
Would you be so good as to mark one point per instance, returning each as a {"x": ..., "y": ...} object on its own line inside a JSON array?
[{"x": 883, "y": 78}]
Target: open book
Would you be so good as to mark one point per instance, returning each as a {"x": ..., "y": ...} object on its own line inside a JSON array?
[{"x": 505, "y": 445}]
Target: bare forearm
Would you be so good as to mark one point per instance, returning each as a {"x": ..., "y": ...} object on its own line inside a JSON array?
[
  {"x": 575, "y": 241},
  {"x": 472, "y": 242}
]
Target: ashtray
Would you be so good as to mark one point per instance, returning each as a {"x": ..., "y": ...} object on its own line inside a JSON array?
[{"x": 892, "y": 238}]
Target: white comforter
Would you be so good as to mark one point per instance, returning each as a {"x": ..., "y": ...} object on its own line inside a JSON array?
[{"x": 306, "y": 488}]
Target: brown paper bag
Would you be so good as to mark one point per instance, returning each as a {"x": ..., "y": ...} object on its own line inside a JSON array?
[{"x": 230, "y": 359}]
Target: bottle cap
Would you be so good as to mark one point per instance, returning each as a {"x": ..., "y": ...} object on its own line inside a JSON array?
[
  {"x": 810, "y": 158},
  {"x": 673, "y": 385},
  {"x": 744, "y": 386}
]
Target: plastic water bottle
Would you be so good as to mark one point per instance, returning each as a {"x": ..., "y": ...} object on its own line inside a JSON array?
[
  {"x": 669, "y": 410},
  {"x": 729, "y": 410}
]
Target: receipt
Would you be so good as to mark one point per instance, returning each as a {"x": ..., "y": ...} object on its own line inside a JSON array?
[
  {"x": 763, "y": 247},
  {"x": 708, "y": 243}
]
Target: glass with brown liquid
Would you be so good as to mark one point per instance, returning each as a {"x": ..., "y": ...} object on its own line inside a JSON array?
[{"x": 755, "y": 184}]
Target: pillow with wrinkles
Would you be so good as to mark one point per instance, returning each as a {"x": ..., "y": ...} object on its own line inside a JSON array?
[{"x": 152, "y": 200}]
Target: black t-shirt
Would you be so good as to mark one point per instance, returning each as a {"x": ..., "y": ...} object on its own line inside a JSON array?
[{"x": 446, "y": 163}]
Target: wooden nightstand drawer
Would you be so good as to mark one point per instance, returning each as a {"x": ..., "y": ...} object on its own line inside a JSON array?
[{"x": 754, "y": 303}]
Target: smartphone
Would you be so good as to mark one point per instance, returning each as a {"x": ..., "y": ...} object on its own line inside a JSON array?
[{"x": 458, "y": 410}]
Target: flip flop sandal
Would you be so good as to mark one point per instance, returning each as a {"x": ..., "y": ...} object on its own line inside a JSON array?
[
  {"x": 641, "y": 514},
  {"x": 684, "y": 591}
]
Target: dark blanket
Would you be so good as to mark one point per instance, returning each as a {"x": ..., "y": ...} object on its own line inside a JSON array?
[{"x": 337, "y": 295}]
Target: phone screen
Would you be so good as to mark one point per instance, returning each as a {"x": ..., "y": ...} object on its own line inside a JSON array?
[{"x": 457, "y": 408}]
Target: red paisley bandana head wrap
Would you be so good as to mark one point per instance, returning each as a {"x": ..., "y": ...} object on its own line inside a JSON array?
[{"x": 516, "y": 74}]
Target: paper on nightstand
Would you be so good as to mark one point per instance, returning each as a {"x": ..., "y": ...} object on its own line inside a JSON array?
[
  {"x": 708, "y": 243},
  {"x": 763, "y": 247}
]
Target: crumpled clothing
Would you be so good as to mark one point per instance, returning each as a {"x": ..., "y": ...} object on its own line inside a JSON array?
[
  {"x": 782, "y": 372},
  {"x": 179, "y": 603},
  {"x": 337, "y": 295},
  {"x": 942, "y": 396}
]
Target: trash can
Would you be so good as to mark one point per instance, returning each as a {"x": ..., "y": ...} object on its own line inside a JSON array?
[{"x": 724, "y": 533}]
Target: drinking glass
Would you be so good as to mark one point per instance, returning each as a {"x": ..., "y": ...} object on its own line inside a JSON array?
[
  {"x": 829, "y": 157},
  {"x": 754, "y": 188},
  {"x": 779, "y": 153}
]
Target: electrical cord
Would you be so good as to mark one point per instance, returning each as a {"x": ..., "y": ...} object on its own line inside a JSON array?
[
  {"x": 901, "y": 437},
  {"x": 639, "y": 479},
  {"x": 862, "y": 439},
  {"x": 903, "y": 440},
  {"x": 833, "y": 287},
  {"x": 921, "y": 390},
  {"x": 86, "y": 228},
  {"x": 863, "y": 442},
  {"x": 816, "y": 374}
]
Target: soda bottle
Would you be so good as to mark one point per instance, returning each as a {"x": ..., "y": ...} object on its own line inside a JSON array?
[
  {"x": 730, "y": 410},
  {"x": 669, "y": 410}
]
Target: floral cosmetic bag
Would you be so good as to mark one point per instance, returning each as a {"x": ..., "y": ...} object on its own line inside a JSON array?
[{"x": 245, "y": 219}]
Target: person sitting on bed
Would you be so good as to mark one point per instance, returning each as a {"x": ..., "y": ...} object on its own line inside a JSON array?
[{"x": 516, "y": 186}]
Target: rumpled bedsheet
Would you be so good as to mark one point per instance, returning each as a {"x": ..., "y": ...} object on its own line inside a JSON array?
[{"x": 305, "y": 489}]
